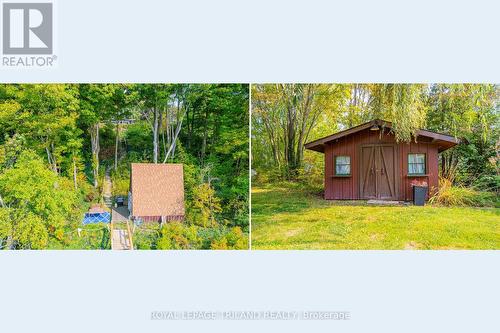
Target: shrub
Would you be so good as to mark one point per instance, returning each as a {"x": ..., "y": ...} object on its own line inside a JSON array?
[
  {"x": 90, "y": 194},
  {"x": 237, "y": 240},
  {"x": 488, "y": 183},
  {"x": 207, "y": 235},
  {"x": 233, "y": 239},
  {"x": 204, "y": 207},
  {"x": 120, "y": 178},
  {"x": 90, "y": 237},
  {"x": 121, "y": 186},
  {"x": 449, "y": 195},
  {"x": 146, "y": 240},
  {"x": 5, "y": 226},
  {"x": 178, "y": 236},
  {"x": 219, "y": 244},
  {"x": 270, "y": 175}
]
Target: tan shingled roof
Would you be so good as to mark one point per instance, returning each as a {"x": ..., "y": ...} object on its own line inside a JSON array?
[{"x": 157, "y": 189}]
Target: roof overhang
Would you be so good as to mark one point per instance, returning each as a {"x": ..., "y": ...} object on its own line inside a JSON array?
[{"x": 443, "y": 141}]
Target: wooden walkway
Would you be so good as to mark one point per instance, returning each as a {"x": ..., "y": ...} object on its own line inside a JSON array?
[
  {"x": 107, "y": 189},
  {"x": 121, "y": 239}
]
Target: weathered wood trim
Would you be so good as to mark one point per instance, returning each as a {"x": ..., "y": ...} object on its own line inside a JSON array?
[{"x": 319, "y": 144}]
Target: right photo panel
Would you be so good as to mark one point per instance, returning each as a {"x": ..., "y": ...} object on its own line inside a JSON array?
[{"x": 375, "y": 166}]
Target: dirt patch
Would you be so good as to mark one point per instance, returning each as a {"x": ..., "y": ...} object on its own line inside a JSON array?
[
  {"x": 293, "y": 232},
  {"x": 384, "y": 203},
  {"x": 370, "y": 219},
  {"x": 412, "y": 246},
  {"x": 376, "y": 237}
]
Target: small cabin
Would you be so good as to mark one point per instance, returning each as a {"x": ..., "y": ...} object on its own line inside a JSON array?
[
  {"x": 366, "y": 162},
  {"x": 156, "y": 192}
]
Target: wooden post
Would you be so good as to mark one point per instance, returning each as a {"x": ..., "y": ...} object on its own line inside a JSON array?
[
  {"x": 130, "y": 236},
  {"x": 111, "y": 233}
]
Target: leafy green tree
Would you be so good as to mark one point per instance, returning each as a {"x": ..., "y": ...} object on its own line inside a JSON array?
[
  {"x": 5, "y": 226},
  {"x": 138, "y": 138},
  {"x": 177, "y": 236},
  {"x": 96, "y": 107},
  {"x": 468, "y": 111},
  {"x": 153, "y": 100},
  {"x": 10, "y": 150},
  {"x": 206, "y": 206},
  {"x": 31, "y": 110},
  {"x": 403, "y": 105},
  {"x": 31, "y": 188},
  {"x": 30, "y": 232}
]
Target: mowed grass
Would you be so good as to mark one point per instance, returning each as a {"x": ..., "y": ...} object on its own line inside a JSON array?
[{"x": 284, "y": 217}]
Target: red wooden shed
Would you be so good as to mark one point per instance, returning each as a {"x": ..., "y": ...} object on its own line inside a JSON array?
[{"x": 366, "y": 162}]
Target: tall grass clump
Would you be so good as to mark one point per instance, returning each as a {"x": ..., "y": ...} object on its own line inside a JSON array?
[{"x": 449, "y": 195}]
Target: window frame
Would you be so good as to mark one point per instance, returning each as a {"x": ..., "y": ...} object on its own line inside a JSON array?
[
  {"x": 335, "y": 166},
  {"x": 408, "y": 164}
]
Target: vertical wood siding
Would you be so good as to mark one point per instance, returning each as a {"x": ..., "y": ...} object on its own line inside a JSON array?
[
  {"x": 345, "y": 188},
  {"x": 152, "y": 219}
]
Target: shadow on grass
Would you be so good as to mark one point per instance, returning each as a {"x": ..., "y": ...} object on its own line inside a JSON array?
[{"x": 292, "y": 198}]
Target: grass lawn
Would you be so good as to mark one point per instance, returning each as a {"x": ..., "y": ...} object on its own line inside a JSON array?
[{"x": 284, "y": 217}]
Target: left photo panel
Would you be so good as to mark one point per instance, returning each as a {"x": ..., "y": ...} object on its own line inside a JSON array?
[{"x": 124, "y": 166}]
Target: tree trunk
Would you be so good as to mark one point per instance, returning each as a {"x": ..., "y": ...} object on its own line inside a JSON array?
[
  {"x": 50, "y": 157},
  {"x": 160, "y": 130},
  {"x": 10, "y": 243},
  {"x": 302, "y": 130},
  {"x": 190, "y": 125},
  {"x": 54, "y": 162},
  {"x": 205, "y": 136},
  {"x": 171, "y": 150},
  {"x": 94, "y": 139},
  {"x": 163, "y": 130},
  {"x": 291, "y": 141},
  {"x": 274, "y": 144},
  {"x": 155, "y": 135},
  {"x": 75, "y": 173},
  {"x": 443, "y": 166},
  {"x": 173, "y": 135},
  {"x": 116, "y": 145}
]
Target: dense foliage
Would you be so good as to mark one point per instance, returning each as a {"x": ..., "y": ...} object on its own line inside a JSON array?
[
  {"x": 286, "y": 116},
  {"x": 58, "y": 140}
]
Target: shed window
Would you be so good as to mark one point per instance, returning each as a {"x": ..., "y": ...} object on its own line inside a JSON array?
[
  {"x": 416, "y": 164},
  {"x": 342, "y": 165}
]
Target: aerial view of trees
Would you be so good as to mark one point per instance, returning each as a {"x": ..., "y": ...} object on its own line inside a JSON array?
[
  {"x": 58, "y": 142},
  {"x": 286, "y": 116}
]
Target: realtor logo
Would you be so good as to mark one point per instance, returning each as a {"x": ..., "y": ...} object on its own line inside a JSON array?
[
  {"x": 28, "y": 34},
  {"x": 27, "y": 28}
]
